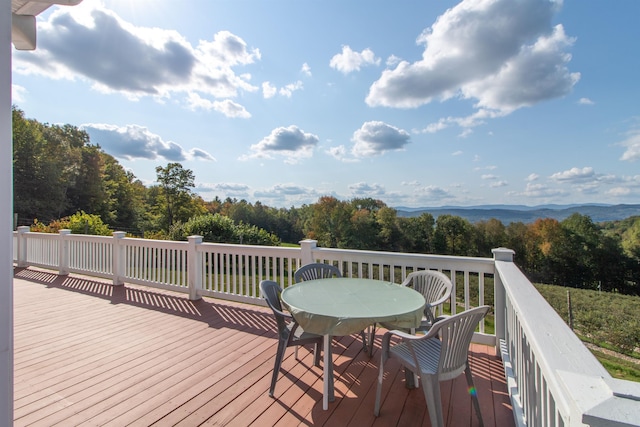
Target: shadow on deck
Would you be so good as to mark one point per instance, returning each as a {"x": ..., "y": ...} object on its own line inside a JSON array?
[{"x": 88, "y": 353}]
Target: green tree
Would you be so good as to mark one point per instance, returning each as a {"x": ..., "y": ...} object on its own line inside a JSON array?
[
  {"x": 490, "y": 234},
  {"x": 176, "y": 183},
  {"x": 417, "y": 233},
  {"x": 453, "y": 235},
  {"x": 84, "y": 223},
  {"x": 36, "y": 171}
]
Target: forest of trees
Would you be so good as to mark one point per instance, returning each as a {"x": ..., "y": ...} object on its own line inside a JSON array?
[{"x": 61, "y": 179}]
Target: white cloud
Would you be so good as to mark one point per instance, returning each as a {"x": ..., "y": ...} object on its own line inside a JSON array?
[
  {"x": 433, "y": 193},
  {"x": 393, "y": 60},
  {"x": 489, "y": 176},
  {"x": 504, "y": 55},
  {"x": 585, "y": 101},
  {"x": 306, "y": 69},
  {"x": 137, "y": 61},
  {"x": 290, "y": 142},
  {"x": 290, "y": 88},
  {"x": 340, "y": 153},
  {"x": 268, "y": 90},
  {"x": 137, "y": 142},
  {"x": 227, "y": 107},
  {"x": 465, "y": 133},
  {"x": 619, "y": 191},
  {"x": 375, "y": 138},
  {"x": 364, "y": 189},
  {"x": 540, "y": 191},
  {"x": 574, "y": 174},
  {"x": 18, "y": 93},
  {"x": 532, "y": 177},
  {"x": 632, "y": 143},
  {"x": 349, "y": 60},
  {"x": 498, "y": 184}
]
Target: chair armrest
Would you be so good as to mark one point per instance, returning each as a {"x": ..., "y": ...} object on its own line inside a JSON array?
[
  {"x": 406, "y": 281},
  {"x": 401, "y": 334},
  {"x": 279, "y": 312}
]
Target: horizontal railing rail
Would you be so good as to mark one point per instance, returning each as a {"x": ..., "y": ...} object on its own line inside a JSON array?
[{"x": 552, "y": 377}]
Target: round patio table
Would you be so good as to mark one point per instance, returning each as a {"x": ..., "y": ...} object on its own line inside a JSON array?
[{"x": 343, "y": 306}]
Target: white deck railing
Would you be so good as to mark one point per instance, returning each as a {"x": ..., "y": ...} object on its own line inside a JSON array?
[{"x": 552, "y": 377}]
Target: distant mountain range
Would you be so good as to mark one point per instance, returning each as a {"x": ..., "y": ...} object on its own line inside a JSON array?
[{"x": 527, "y": 214}]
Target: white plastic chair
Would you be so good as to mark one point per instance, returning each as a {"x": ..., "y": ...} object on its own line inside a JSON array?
[
  {"x": 290, "y": 334},
  {"x": 436, "y": 289},
  {"x": 316, "y": 271},
  {"x": 320, "y": 270},
  {"x": 440, "y": 355}
]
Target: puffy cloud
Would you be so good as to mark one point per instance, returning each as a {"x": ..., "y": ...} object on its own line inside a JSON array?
[
  {"x": 268, "y": 90},
  {"x": 223, "y": 189},
  {"x": 280, "y": 190},
  {"x": 288, "y": 195},
  {"x": 574, "y": 174},
  {"x": 306, "y": 69},
  {"x": 137, "y": 142},
  {"x": 585, "y": 101},
  {"x": 18, "y": 93},
  {"x": 349, "y": 60},
  {"x": 290, "y": 88},
  {"x": 227, "y": 107},
  {"x": 364, "y": 189},
  {"x": 375, "y": 138},
  {"x": 503, "y": 54},
  {"x": 340, "y": 153},
  {"x": 291, "y": 142},
  {"x": 94, "y": 44},
  {"x": 537, "y": 191},
  {"x": 632, "y": 143}
]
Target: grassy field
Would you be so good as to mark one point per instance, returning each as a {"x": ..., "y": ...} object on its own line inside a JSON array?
[{"x": 607, "y": 320}]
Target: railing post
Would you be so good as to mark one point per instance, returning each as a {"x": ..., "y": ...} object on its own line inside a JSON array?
[
  {"x": 63, "y": 252},
  {"x": 306, "y": 251},
  {"x": 499, "y": 294},
  {"x": 194, "y": 268},
  {"x": 118, "y": 258},
  {"x": 22, "y": 245}
]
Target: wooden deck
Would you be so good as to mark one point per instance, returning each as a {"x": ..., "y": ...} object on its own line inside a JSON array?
[{"x": 88, "y": 353}]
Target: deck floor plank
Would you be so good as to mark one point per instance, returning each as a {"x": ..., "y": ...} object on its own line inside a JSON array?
[{"x": 88, "y": 353}]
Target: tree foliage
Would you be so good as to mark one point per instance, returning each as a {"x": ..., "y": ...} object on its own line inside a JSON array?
[{"x": 62, "y": 179}]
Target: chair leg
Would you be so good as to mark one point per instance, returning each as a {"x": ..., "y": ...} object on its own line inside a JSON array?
[
  {"x": 282, "y": 347},
  {"x": 474, "y": 393},
  {"x": 431, "y": 389}
]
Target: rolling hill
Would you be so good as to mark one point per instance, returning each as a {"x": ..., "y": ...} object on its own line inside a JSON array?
[{"x": 527, "y": 214}]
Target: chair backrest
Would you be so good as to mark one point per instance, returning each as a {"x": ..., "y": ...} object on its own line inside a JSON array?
[
  {"x": 271, "y": 293},
  {"x": 434, "y": 286},
  {"x": 455, "y": 335},
  {"x": 315, "y": 271}
]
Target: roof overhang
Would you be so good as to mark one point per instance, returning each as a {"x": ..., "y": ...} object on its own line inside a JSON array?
[{"x": 23, "y": 20}]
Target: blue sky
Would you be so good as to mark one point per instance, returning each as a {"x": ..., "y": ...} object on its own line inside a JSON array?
[{"x": 415, "y": 103}]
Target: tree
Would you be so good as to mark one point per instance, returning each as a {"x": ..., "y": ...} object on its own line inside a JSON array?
[
  {"x": 453, "y": 235},
  {"x": 176, "y": 183},
  {"x": 490, "y": 234},
  {"x": 37, "y": 171},
  {"x": 417, "y": 233}
]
